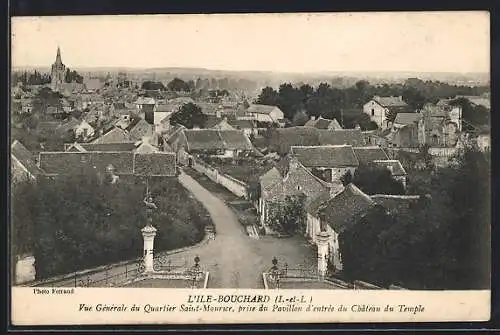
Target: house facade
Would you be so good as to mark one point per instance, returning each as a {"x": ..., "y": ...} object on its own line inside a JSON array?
[{"x": 378, "y": 108}]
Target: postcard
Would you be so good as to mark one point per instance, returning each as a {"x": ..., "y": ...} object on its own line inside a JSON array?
[{"x": 250, "y": 168}]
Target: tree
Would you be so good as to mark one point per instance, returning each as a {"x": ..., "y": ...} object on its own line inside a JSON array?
[
  {"x": 153, "y": 86},
  {"x": 189, "y": 116},
  {"x": 373, "y": 179},
  {"x": 268, "y": 96},
  {"x": 287, "y": 216},
  {"x": 178, "y": 85},
  {"x": 300, "y": 118}
]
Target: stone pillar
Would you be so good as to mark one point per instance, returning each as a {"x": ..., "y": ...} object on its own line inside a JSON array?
[
  {"x": 322, "y": 243},
  {"x": 148, "y": 233}
]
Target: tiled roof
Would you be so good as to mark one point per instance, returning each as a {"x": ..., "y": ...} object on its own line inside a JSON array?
[
  {"x": 181, "y": 100},
  {"x": 316, "y": 203},
  {"x": 241, "y": 124},
  {"x": 235, "y": 140},
  {"x": 282, "y": 139},
  {"x": 270, "y": 178},
  {"x": 321, "y": 123},
  {"x": 81, "y": 162},
  {"x": 211, "y": 139},
  {"x": 25, "y": 158},
  {"x": 260, "y": 109},
  {"x": 390, "y": 101},
  {"x": 93, "y": 84},
  {"x": 407, "y": 118},
  {"x": 154, "y": 164},
  {"x": 116, "y": 135},
  {"x": 345, "y": 208},
  {"x": 141, "y": 129},
  {"x": 367, "y": 155},
  {"x": 352, "y": 137},
  {"x": 203, "y": 139},
  {"x": 395, "y": 165},
  {"x": 124, "y": 146},
  {"x": 69, "y": 125},
  {"x": 330, "y": 156}
]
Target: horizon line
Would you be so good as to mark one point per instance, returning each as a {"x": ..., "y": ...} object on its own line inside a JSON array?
[{"x": 242, "y": 70}]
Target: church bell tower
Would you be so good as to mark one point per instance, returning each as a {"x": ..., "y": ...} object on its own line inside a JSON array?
[{"x": 57, "y": 72}]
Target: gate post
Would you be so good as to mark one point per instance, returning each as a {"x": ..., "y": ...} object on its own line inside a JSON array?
[{"x": 322, "y": 242}]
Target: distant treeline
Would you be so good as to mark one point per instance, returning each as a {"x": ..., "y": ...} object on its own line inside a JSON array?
[{"x": 330, "y": 102}]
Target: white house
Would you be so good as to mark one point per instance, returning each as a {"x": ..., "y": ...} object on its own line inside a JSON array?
[
  {"x": 265, "y": 113},
  {"x": 378, "y": 107}
]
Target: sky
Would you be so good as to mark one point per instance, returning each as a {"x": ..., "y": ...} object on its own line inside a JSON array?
[{"x": 320, "y": 42}]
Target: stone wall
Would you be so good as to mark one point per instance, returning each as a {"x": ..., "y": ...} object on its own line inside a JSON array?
[{"x": 237, "y": 187}]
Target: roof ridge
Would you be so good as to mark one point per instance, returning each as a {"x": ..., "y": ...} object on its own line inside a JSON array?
[{"x": 395, "y": 196}]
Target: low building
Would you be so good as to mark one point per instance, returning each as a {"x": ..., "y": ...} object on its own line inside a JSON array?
[
  {"x": 366, "y": 155},
  {"x": 265, "y": 113},
  {"x": 329, "y": 162},
  {"x": 213, "y": 142}
]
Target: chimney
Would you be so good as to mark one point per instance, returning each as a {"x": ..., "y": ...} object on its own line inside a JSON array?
[{"x": 313, "y": 118}]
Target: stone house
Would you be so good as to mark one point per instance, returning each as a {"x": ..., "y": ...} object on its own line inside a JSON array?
[
  {"x": 440, "y": 125},
  {"x": 378, "y": 107},
  {"x": 328, "y": 162},
  {"x": 296, "y": 179},
  {"x": 335, "y": 215}
]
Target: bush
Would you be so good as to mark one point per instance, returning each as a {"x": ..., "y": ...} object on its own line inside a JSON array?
[{"x": 77, "y": 222}]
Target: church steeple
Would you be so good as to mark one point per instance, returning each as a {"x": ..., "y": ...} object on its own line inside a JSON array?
[{"x": 58, "y": 57}]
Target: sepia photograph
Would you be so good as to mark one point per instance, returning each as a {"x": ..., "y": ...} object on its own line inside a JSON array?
[{"x": 325, "y": 153}]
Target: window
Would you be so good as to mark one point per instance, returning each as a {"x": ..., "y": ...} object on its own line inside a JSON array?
[
  {"x": 373, "y": 112},
  {"x": 298, "y": 188}
]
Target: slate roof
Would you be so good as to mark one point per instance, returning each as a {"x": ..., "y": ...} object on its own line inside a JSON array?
[
  {"x": 127, "y": 163},
  {"x": 390, "y": 101},
  {"x": 342, "y": 211},
  {"x": 260, "y": 109},
  {"x": 367, "y": 155},
  {"x": 329, "y": 156},
  {"x": 116, "y": 135},
  {"x": 407, "y": 118},
  {"x": 397, "y": 168},
  {"x": 25, "y": 158},
  {"x": 283, "y": 139},
  {"x": 119, "y": 105},
  {"x": 69, "y": 125}
]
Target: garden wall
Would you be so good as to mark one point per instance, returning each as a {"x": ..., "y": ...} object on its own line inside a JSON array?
[{"x": 237, "y": 187}]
